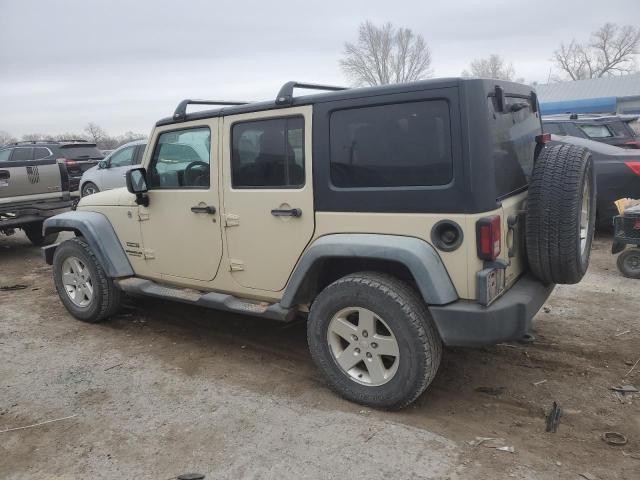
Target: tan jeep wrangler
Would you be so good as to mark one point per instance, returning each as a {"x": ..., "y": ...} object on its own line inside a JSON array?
[{"x": 396, "y": 219}]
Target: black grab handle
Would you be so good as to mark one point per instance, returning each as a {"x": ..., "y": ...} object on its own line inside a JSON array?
[{"x": 291, "y": 212}]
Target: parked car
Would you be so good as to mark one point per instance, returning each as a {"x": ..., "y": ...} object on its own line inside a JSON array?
[
  {"x": 617, "y": 175},
  {"x": 110, "y": 172},
  {"x": 77, "y": 155},
  {"x": 610, "y": 129},
  {"x": 34, "y": 185},
  {"x": 410, "y": 216}
]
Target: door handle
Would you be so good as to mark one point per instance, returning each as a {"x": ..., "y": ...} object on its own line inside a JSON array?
[
  {"x": 207, "y": 209},
  {"x": 288, "y": 212},
  {"x": 5, "y": 175}
]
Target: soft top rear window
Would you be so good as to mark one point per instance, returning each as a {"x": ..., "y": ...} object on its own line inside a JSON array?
[
  {"x": 514, "y": 143},
  {"x": 76, "y": 151}
]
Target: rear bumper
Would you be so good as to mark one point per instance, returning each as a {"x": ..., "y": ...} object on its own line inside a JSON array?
[
  {"x": 469, "y": 324},
  {"x": 18, "y": 214}
]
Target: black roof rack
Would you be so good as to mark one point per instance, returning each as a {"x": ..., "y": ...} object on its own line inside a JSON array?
[
  {"x": 36, "y": 142},
  {"x": 285, "y": 95},
  {"x": 181, "y": 109}
]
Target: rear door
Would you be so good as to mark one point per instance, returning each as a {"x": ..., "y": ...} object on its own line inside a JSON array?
[
  {"x": 28, "y": 173},
  {"x": 267, "y": 194}
]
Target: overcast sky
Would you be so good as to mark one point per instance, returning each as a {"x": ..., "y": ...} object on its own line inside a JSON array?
[{"x": 125, "y": 64}]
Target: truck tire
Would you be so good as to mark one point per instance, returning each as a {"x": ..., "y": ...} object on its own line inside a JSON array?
[
  {"x": 629, "y": 263},
  {"x": 373, "y": 339},
  {"x": 561, "y": 214},
  {"x": 82, "y": 284},
  {"x": 33, "y": 231}
]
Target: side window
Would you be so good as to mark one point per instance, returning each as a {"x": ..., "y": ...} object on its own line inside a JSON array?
[
  {"x": 268, "y": 153},
  {"x": 40, "y": 153},
  {"x": 22, "y": 154},
  {"x": 554, "y": 128},
  {"x": 181, "y": 159},
  {"x": 407, "y": 144},
  {"x": 4, "y": 155},
  {"x": 122, "y": 158},
  {"x": 596, "y": 131}
]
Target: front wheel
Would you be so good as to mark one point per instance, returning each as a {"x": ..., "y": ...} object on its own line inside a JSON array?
[
  {"x": 82, "y": 284},
  {"x": 629, "y": 263},
  {"x": 373, "y": 339},
  {"x": 33, "y": 231},
  {"x": 89, "y": 188}
]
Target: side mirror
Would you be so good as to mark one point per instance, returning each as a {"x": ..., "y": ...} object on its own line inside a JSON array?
[
  {"x": 103, "y": 164},
  {"x": 137, "y": 183},
  {"x": 498, "y": 92}
]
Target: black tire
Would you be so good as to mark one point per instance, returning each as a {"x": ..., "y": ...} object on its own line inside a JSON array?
[
  {"x": 106, "y": 297},
  {"x": 554, "y": 208},
  {"x": 629, "y": 263},
  {"x": 407, "y": 318},
  {"x": 33, "y": 231},
  {"x": 89, "y": 188}
]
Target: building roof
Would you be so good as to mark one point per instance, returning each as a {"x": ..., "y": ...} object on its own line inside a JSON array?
[{"x": 621, "y": 86}]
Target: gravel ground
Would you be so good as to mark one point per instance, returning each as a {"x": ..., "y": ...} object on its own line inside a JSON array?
[{"x": 164, "y": 389}]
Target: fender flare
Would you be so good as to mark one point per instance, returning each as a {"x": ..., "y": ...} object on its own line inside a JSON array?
[
  {"x": 98, "y": 232},
  {"x": 419, "y": 257}
]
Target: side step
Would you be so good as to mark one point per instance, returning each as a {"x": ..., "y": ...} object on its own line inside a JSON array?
[{"x": 213, "y": 300}]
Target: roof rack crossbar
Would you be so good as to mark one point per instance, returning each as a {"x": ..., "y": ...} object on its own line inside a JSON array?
[
  {"x": 285, "y": 95},
  {"x": 181, "y": 109}
]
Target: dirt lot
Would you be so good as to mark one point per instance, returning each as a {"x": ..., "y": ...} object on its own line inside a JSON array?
[{"x": 164, "y": 389}]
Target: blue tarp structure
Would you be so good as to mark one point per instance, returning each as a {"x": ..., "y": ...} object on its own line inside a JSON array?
[{"x": 590, "y": 105}]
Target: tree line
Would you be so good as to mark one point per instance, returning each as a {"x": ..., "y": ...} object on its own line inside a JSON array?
[
  {"x": 91, "y": 133},
  {"x": 386, "y": 54}
]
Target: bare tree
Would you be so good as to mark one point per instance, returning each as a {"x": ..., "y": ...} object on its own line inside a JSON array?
[
  {"x": 6, "y": 137},
  {"x": 494, "y": 66},
  {"x": 612, "y": 50},
  {"x": 33, "y": 137},
  {"x": 95, "y": 133},
  {"x": 386, "y": 55}
]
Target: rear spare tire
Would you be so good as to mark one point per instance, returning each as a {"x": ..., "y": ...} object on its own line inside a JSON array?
[{"x": 561, "y": 214}]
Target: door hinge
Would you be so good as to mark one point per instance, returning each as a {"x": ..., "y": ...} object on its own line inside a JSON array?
[
  {"x": 236, "y": 265},
  {"x": 142, "y": 216},
  {"x": 231, "y": 220},
  {"x": 149, "y": 254}
]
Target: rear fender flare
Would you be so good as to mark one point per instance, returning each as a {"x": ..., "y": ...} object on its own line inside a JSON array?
[{"x": 418, "y": 256}]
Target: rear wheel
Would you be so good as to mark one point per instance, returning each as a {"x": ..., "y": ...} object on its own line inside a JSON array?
[
  {"x": 373, "y": 339},
  {"x": 89, "y": 188},
  {"x": 629, "y": 263},
  {"x": 33, "y": 231},
  {"x": 82, "y": 284},
  {"x": 561, "y": 214}
]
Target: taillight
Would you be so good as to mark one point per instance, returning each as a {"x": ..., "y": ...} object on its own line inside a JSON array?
[
  {"x": 634, "y": 166},
  {"x": 544, "y": 138},
  {"x": 488, "y": 237},
  {"x": 68, "y": 162}
]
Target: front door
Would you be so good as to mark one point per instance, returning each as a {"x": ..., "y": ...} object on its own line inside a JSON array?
[
  {"x": 114, "y": 175},
  {"x": 268, "y": 194},
  {"x": 181, "y": 232}
]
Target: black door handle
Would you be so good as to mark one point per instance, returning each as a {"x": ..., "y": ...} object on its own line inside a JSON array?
[
  {"x": 290, "y": 212},
  {"x": 5, "y": 175},
  {"x": 208, "y": 209}
]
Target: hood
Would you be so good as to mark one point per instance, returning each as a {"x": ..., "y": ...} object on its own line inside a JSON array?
[{"x": 116, "y": 197}]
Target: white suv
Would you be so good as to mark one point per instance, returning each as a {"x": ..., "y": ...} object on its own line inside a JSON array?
[{"x": 111, "y": 172}]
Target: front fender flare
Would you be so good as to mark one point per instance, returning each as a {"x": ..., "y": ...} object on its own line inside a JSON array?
[
  {"x": 419, "y": 257},
  {"x": 98, "y": 232}
]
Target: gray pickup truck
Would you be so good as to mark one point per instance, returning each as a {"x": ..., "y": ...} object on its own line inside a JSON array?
[{"x": 34, "y": 185}]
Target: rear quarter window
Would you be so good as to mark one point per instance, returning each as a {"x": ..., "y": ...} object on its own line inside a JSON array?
[{"x": 397, "y": 145}]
